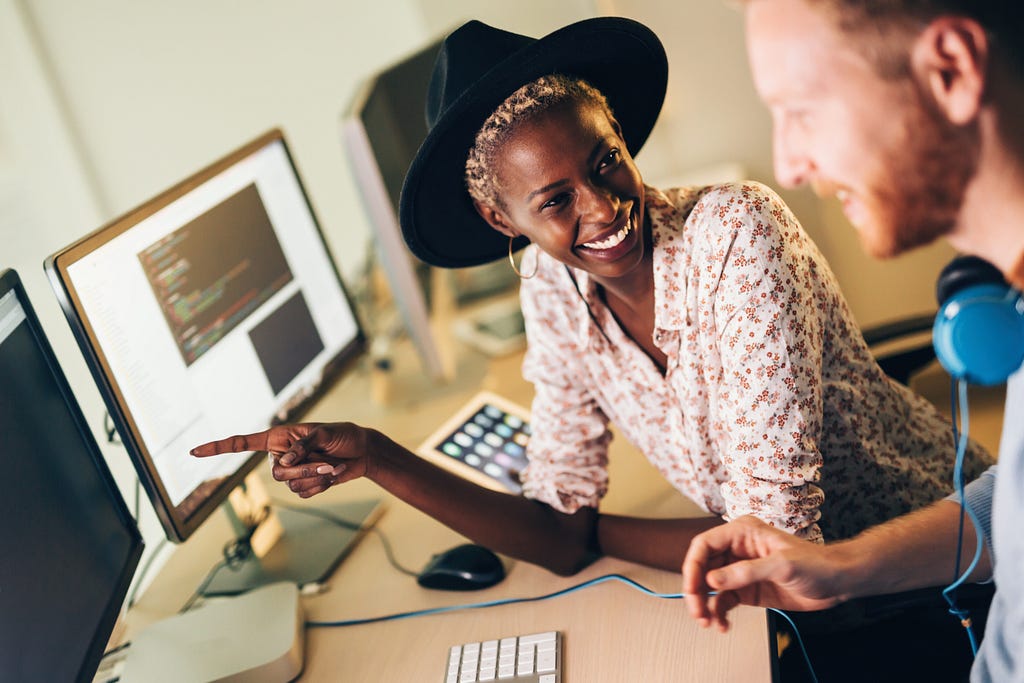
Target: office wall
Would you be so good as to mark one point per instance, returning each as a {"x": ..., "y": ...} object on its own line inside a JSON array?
[
  {"x": 529, "y": 17},
  {"x": 45, "y": 200}
]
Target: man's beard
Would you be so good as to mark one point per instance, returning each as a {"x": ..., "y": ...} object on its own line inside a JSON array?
[{"x": 921, "y": 198}]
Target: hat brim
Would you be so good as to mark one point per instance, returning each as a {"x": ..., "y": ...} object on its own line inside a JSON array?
[{"x": 620, "y": 57}]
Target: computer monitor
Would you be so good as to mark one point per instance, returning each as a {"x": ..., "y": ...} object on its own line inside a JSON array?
[
  {"x": 383, "y": 128},
  {"x": 70, "y": 546},
  {"x": 214, "y": 309}
]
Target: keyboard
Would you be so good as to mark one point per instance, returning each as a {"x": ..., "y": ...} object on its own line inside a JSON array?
[{"x": 533, "y": 658}]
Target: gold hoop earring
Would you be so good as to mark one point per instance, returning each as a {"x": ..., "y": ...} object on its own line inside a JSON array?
[{"x": 536, "y": 264}]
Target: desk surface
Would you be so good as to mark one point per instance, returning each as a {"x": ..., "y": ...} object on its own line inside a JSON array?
[{"x": 611, "y": 631}]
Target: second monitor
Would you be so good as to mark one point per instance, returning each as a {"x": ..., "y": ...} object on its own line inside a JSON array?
[{"x": 214, "y": 309}]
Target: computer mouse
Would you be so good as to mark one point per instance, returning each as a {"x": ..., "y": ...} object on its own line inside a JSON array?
[{"x": 465, "y": 567}]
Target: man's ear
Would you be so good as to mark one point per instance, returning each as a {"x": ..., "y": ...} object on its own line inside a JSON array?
[
  {"x": 950, "y": 58},
  {"x": 495, "y": 218}
]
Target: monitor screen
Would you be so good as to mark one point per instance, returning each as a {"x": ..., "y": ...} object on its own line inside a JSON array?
[
  {"x": 70, "y": 546},
  {"x": 213, "y": 309}
]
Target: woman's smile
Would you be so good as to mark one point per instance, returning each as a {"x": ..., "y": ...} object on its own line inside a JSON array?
[{"x": 613, "y": 243}]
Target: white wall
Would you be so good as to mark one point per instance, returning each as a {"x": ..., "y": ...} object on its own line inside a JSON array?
[
  {"x": 156, "y": 90},
  {"x": 528, "y": 17},
  {"x": 45, "y": 200}
]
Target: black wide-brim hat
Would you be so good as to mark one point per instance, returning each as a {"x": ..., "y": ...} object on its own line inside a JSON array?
[{"x": 477, "y": 68}]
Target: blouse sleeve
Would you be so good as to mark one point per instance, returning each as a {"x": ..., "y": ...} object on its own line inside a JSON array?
[
  {"x": 768, "y": 318},
  {"x": 568, "y": 447}
]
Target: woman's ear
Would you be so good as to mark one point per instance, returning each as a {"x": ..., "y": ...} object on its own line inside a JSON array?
[
  {"x": 495, "y": 218},
  {"x": 950, "y": 58}
]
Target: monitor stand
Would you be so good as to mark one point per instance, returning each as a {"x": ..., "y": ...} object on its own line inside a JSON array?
[{"x": 301, "y": 543}]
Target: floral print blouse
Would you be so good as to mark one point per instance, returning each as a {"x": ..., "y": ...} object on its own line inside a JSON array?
[{"x": 770, "y": 404}]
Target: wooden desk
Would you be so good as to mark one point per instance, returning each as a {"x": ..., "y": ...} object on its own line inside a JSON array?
[{"x": 611, "y": 631}]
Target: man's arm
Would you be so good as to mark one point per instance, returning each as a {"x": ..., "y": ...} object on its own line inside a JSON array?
[{"x": 748, "y": 562}]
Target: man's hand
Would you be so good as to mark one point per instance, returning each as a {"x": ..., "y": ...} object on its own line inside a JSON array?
[{"x": 748, "y": 562}]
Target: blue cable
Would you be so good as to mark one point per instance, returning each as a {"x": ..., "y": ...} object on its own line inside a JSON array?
[
  {"x": 496, "y": 603},
  {"x": 559, "y": 593},
  {"x": 949, "y": 593},
  {"x": 954, "y": 420}
]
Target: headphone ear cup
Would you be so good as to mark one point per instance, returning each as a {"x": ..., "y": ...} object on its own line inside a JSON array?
[
  {"x": 963, "y": 272},
  {"x": 979, "y": 334}
]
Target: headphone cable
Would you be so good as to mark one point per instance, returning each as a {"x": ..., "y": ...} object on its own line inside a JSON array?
[{"x": 949, "y": 593}]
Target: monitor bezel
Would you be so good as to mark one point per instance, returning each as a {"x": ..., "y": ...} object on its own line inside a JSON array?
[
  {"x": 179, "y": 528},
  {"x": 10, "y": 281}
]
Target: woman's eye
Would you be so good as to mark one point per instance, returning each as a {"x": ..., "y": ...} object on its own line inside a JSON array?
[
  {"x": 609, "y": 159},
  {"x": 557, "y": 200}
]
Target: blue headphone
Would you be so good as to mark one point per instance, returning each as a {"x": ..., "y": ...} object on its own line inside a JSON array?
[{"x": 979, "y": 330}]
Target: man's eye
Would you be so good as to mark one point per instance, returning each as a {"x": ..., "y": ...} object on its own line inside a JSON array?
[{"x": 798, "y": 117}]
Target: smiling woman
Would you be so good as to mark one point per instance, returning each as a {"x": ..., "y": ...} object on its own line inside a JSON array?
[
  {"x": 566, "y": 182},
  {"x": 702, "y": 321}
]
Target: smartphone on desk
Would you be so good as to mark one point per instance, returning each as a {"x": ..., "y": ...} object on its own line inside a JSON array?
[{"x": 485, "y": 442}]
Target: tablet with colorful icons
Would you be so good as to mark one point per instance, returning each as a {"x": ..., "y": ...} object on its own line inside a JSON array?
[{"x": 485, "y": 442}]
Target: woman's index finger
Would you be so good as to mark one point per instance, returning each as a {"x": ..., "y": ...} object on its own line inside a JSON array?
[{"x": 234, "y": 444}]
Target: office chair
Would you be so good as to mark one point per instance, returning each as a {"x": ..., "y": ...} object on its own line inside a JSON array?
[{"x": 909, "y": 355}]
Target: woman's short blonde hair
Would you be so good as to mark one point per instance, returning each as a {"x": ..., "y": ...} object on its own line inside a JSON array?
[{"x": 524, "y": 104}]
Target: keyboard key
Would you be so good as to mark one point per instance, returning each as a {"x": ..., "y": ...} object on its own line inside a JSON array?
[
  {"x": 454, "y": 656},
  {"x": 533, "y": 658}
]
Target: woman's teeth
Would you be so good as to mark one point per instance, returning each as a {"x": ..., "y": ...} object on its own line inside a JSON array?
[{"x": 612, "y": 241}]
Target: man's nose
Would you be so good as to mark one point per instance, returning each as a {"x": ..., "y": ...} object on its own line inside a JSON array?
[{"x": 793, "y": 166}]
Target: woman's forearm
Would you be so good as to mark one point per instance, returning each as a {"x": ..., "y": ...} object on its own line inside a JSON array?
[
  {"x": 658, "y": 543},
  {"x": 512, "y": 525},
  {"x": 527, "y": 529}
]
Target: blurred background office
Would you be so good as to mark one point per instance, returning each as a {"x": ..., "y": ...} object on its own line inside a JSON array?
[{"x": 106, "y": 103}]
